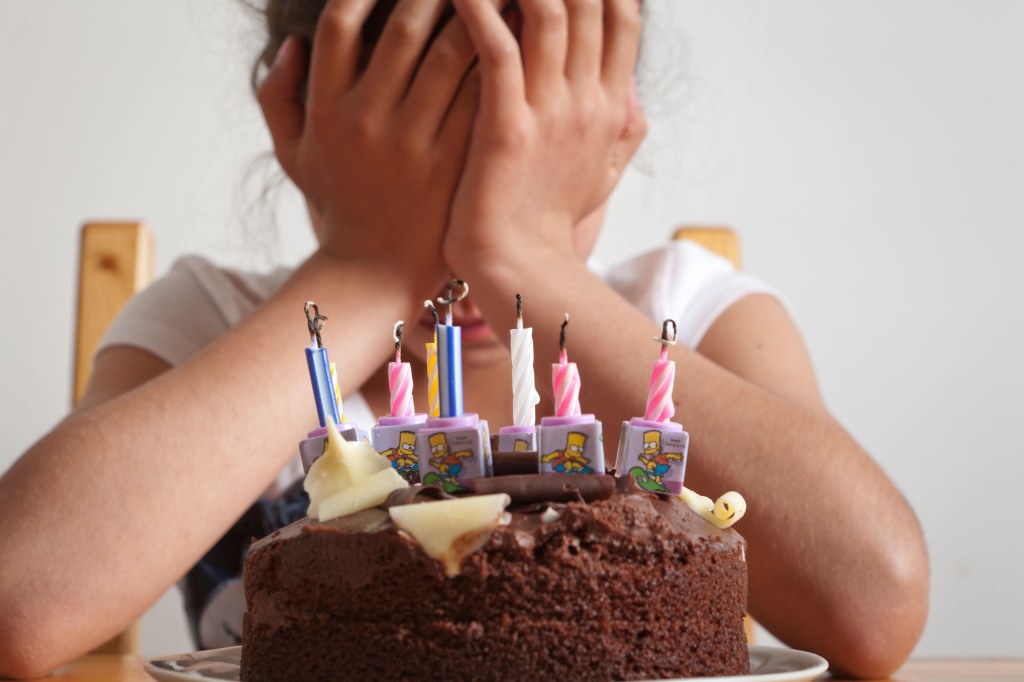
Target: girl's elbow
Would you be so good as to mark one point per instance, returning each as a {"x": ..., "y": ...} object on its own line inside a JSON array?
[
  {"x": 879, "y": 639},
  {"x": 27, "y": 647}
]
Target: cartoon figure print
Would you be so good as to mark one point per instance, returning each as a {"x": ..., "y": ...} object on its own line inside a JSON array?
[
  {"x": 520, "y": 445},
  {"x": 403, "y": 456},
  {"x": 655, "y": 463},
  {"x": 571, "y": 460},
  {"x": 447, "y": 463}
]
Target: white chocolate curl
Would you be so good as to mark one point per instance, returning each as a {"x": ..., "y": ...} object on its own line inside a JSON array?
[
  {"x": 348, "y": 477},
  {"x": 727, "y": 510},
  {"x": 400, "y": 383},
  {"x": 524, "y": 391},
  {"x": 451, "y": 530}
]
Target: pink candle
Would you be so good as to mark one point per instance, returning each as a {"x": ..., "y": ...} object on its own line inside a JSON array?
[
  {"x": 400, "y": 380},
  {"x": 565, "y": 378},
  {"x": 660, "y": 405}
]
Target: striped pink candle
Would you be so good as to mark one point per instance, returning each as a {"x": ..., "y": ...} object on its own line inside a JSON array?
[
  {"x": 400, "y": 379},
  {"x": 565, "y": 378},
  {"x": 660, "y": 405}
]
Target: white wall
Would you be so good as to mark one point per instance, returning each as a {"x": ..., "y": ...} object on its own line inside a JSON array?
[{"x": 871, "y": 154}]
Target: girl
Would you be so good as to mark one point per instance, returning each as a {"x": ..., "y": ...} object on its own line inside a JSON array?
[{"x": 486, "y": 149}]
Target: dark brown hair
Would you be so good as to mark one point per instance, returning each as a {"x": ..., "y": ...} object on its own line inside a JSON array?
[{"x": 299, "y": 18}]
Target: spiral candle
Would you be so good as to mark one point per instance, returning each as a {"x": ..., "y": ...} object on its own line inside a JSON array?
[
  {"x": 400, "y": 383},
  {"x": 524, "y": 391},
  {"x": 433, "y": 392},
  {"x": 660, "y": 406},
  {"x": 565, "y": 378},
  {"x": 337, "y": 393}
]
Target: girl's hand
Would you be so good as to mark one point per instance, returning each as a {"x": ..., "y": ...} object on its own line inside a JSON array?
[
  {"x": 377, "y": 153},
  {"x": 558, "y": 121}
]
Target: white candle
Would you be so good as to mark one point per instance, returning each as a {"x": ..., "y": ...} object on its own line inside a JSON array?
[{"x": 524, "y": 390}]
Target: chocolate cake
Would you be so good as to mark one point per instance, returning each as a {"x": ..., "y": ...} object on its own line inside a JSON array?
[{"x": 589, "y": 580}]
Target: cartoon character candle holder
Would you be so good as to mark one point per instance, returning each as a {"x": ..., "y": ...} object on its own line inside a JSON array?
[
  {"x": 452, "y": 450},
  {"x": 455, "y": 446},
  {"x": 394, "y": 436},
  {"x": 653, "y": 450},
  {"x": 570, "y": 442},
  {"x": 324, "y": 377}
]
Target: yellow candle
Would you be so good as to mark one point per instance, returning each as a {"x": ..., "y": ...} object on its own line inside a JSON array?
[
  {"x": 433, "y": 389},
  {"x": 337, "y": 392}
]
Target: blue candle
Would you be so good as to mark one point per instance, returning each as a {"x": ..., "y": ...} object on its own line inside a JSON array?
[
  {"x": 320, "y": 368},
  {"x": 449, "y": 366},
  {"x": 323, "y": 387},
  {"x": 449, "y": 354}
]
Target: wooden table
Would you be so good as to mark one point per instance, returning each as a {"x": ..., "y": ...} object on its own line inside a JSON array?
[{"x": 98, "y": 668}]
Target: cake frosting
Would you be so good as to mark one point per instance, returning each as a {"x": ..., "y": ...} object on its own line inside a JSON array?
[{"x": 581, "y": 577}]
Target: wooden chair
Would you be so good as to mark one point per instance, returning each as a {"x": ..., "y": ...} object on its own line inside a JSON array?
[
  {"x": 115, "y": 261},
  {"x": 720, "y": 240}
]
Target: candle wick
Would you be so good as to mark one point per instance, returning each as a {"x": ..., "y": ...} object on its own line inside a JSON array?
[
  {"x": 563, "y": 357},
  {"x": 562, "y": 333},
  {"x": 664, "y": 353},
  {"x": 314, "y": 323}
]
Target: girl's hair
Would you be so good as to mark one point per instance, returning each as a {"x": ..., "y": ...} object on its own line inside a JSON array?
[{"x": 298, "y": 18}]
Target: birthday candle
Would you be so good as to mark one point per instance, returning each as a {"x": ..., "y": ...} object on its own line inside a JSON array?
[
  {"x": 660, "y": 405},
  {"x": 320, "y": 368},
  {"x": 565, "y": 378},
  {"x": 449, "y": 353},
  {"x": 524, "y": 392},
  {"x": 400, "y": 379},
  {"x": 433, "y": 391},
  {"x": 337, "y": 393}
]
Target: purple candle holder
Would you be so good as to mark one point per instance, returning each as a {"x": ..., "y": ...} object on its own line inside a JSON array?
[
  {"x": 517, "y": 438},
  {"x": 453, "y": 449},
  {"x": 315, "y": 443},
  {"x": 653, "y": 453},
  {"x": 395, "y": 438},
  {"x": 571, "y": 445}
]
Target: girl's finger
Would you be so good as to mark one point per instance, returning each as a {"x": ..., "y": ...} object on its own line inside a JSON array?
[
  {"x": 336, "y": 46},
  {"x": 439, "y": 76},
  {"x": 621, "y": 41},
  {"x": 501, "y": 67},
  {"x": 280, "y": 98},
  {"x": 401, "y": 45},
  {"x": 544, "y": 44},
  {"x": 455, "y": 132},
  {"x": 585, "y": 26}
]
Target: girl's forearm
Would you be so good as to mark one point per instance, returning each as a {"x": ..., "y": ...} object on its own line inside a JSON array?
[
  {"x": 825, "y": 526},
  {"x": 107, "y": 511}
]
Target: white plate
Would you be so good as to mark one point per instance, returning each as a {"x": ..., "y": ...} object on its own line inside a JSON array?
[{"x": 767, "y": 664}]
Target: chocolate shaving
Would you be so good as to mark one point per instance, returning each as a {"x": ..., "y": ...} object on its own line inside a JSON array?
[
  {"x": 533, "y": 488},
  {"x": 516, "y": 463},
  {"x": 414, "y": 495}
]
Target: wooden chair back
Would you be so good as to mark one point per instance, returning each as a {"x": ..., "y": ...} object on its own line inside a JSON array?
[
  {"x": 717, "y": 239},
  {"x": 115, "y": 261}
]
